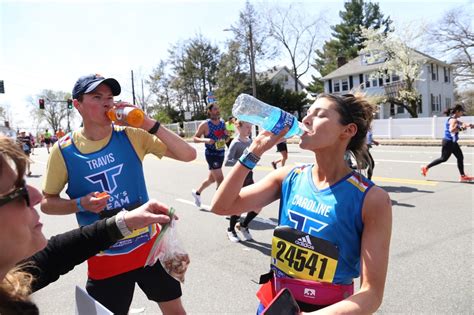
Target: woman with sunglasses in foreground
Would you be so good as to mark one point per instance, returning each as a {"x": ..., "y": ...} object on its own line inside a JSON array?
[
  {"x": 21, "y": 236},
  {"x": 334, "y": 225}
]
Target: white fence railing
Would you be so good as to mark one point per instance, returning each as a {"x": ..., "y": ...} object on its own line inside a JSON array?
[{"x": 429, "y": 127}]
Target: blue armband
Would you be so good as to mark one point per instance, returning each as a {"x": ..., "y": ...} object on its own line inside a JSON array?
[{"x": 79, "y": 206}]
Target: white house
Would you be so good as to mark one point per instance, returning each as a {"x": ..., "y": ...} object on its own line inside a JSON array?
[
  {"x": 435, "y": 85},
  {"x": 282, "y": 76}
]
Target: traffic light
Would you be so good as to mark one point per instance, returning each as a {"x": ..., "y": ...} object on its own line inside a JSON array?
[
  {"x": 2, "y": 87},
  {"x": 41, "y": 103},
  {"x": 69, "y": 103}
]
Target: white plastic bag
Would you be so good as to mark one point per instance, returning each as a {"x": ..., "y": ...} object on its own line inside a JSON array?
[{"x": 169, "y": 250}]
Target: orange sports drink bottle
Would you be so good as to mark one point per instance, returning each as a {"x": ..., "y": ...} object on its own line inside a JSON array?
[{"x": 132, "y": 116}]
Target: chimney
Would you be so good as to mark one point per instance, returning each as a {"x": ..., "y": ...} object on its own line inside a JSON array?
[{"x": 341, "y": 61}]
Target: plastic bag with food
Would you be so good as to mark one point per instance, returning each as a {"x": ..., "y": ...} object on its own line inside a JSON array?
[{"x": 169, "y": 251}]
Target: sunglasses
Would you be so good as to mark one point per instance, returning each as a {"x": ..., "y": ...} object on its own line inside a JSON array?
[{"x": 20, "y": 192}]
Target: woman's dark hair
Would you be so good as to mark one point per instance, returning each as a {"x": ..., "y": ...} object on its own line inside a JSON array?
[
  {"x": 456, "y": 108},
  {"x": 357, "y": 110},
  {"x": 17, "y": 283}
]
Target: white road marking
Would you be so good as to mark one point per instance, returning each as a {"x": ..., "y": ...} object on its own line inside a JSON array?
[{"x": 208, "y": 208}]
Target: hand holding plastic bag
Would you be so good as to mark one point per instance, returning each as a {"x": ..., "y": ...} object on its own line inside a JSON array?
[{"x": 168, "y": 249}]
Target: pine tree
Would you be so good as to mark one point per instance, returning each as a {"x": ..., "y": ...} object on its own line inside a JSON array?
[{"x": 347, "y": 40}]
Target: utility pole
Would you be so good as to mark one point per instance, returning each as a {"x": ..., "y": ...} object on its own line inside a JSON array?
[
  {"x": 133, "y": 89},
  {"x": 251, "y": 53},
  {"x": 252, "y": 62},
  {"x": 143, "y": 99}
]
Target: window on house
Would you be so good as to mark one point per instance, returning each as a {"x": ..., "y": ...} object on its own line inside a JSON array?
[
  {"x": 395, "y": 77},
  {"x": 367, "y": 81},
  {"x": 448, "y": 102},
  {"x": 437, "y": 73},
  {"x": 345, "y": 84},
  {"x": 400, "y": 109},
  {"x": 337, "y": 86},
  {"x": 420, "y": 107},
  {"x": 447, "y": 74},
  {"x": 433, "y": 72},
  {"x": 375, "y": 82},
  {"x": 286, "y": 78},
  {"x": 435, "y": 103}
]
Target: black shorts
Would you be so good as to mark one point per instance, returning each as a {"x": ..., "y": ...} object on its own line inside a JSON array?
[
  {"x": 214, "y": 161},
  {"x": 116, "y": 293},
  {"x": 282, "y": 147},
  {"x": 47, "y": 141}
]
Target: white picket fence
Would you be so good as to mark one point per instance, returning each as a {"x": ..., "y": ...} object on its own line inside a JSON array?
[
  {"x": 413, "y": 128},
  {"x": 399, "y": 128}
]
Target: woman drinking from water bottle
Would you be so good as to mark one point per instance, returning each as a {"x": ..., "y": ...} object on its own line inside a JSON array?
[{"x": 334, "y": 224}]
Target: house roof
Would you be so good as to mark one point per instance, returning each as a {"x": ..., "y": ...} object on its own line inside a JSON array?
[
  {"x": 355, "y": 66},
  {"x": 272, "y": 72}
]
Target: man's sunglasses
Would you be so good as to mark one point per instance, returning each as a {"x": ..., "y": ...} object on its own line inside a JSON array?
[{"x": 20, "y": 192}]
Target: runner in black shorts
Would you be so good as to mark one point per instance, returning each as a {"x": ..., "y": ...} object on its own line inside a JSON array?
[
  {"x": 450, "y": 142},
  {"x": 47, "y": 139},
  {"x": 283, "y": 149},
  {"x": 24, "y": 141},
  {"x": 166, "y": 289},
  {"x": 215, "y": 134}
]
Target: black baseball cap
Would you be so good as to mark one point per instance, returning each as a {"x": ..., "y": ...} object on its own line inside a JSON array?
[{"x": 89, "y": 83}]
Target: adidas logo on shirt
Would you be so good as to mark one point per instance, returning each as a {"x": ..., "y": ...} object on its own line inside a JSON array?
[{"x": 304, "y": 241}]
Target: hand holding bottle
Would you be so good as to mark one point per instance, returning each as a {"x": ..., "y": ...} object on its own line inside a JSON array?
[
  {"x": 266, "y": 140},
  {"x": 126, "y": 114}
]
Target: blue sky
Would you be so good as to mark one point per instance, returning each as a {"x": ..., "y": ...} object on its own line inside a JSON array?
[{"x": 49, "y": 44}]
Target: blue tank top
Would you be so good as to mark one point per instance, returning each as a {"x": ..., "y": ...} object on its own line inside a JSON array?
[
  {"x": 216, "y": 133},
  {"x": 333, "y": 214},
  {"x": 115, "y": 169},
  {"x": 454, "y": 137}
]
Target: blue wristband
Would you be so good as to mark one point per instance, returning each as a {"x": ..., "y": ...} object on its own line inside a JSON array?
[
  {"x": 249, "y": 159},
  {"x": 79, "y": 206}
]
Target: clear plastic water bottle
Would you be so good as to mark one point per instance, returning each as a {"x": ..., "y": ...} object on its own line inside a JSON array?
[{"x": 248, "y": 108}]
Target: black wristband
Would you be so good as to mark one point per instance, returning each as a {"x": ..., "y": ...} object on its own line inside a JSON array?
[{"x": 155, "y": 128}]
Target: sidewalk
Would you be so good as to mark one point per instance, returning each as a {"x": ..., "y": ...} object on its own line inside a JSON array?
[
  {"x": 400, "y": 142},
  {"x": 421, "y": 142},
  {"x": 411, "y": 142}
]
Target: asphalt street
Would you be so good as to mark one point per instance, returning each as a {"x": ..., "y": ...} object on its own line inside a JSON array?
[{"x": 430, "y": 269}]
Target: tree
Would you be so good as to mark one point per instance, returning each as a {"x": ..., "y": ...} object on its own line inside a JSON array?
[
  {"x": 252, "y": 37},
  {"x": 159, "y": 85},
  {"x": 231, "y": 79},
  {"x": 287, "y": 100},
  {"x": 347, "y": 39},
  {"x": 401, "y": 60},
  {"x": 194, "y": 67},
  {"x": 454, "y": 37},
  {"x": 297, "y": 32},
  {"x": 466, "y": 97}
]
